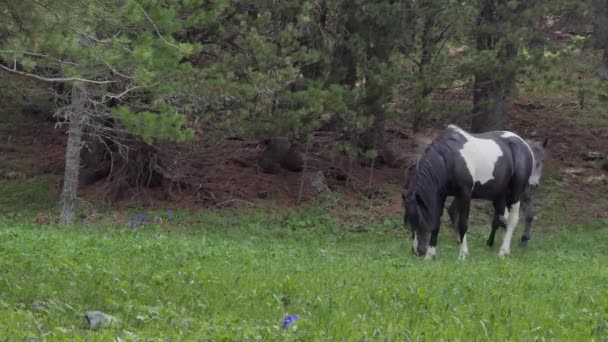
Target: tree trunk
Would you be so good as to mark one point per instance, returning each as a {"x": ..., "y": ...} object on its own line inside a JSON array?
[
  {"x": 420, "y": 106},
  {"x": 373, "y": 137},
  {"x": 488, "y": 92},
  {"x": 600, "y": 24},
  {"x": 72, "y": 156},
  {"x": 600, "y": 34},
  {"x": 407, "y": 26},
  {"x": 488, "y": 105}
]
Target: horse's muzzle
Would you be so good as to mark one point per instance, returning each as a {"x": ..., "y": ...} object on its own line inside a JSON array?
[{"x": 420, "y": 251}]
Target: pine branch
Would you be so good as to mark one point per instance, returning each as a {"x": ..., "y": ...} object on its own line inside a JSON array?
[{"x": 155, "y": 27}]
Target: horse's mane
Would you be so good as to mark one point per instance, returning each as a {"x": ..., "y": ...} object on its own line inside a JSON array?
[{"x": 430, "y": 176}]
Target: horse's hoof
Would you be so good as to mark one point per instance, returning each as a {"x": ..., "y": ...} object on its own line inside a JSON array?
[
  {"x": 523, "y": 243},
  {"x": 503, "y": 253},
  {"x": 462, "y": 257}
]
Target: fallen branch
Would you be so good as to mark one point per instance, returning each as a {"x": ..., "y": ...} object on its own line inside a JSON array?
[{"x": 233, "y": 200}]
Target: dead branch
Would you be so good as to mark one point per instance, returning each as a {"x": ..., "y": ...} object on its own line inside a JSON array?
[{"x": 59, "y": 79}]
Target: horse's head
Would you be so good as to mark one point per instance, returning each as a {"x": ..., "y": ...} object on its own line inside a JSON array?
[
  {"x": 416, "y": 216},
  {"x": 539, "y": 151},
  {"x": 418, "y": 202},
  {"x": 417, "y": 213}
]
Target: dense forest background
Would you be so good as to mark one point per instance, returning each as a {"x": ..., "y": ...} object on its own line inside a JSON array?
[{"x": 210, "y": 102}]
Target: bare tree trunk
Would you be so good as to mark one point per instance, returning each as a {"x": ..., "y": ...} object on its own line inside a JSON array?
[{"x": 72, "y": 156}]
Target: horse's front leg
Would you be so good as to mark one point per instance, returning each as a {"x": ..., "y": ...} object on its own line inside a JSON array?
[
  {"x": 463, "y": 223},
  {"x": 432, "y": 251},
  {"x": 499, "y": 219},
  {"x": 453, "y": 210}
]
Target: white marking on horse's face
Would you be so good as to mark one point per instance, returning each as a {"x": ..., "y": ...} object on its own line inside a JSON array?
[
  {"x": 505, "y": 249},
  {"x": 537, "y": 172},
  {"x": 430, "y": 253},
  {"x": 480, "y": 156},
  {"x": 536, "y": 169},
  {"x": 538, "y": 152},
  {"x": 464, "y": 248},
  {"x": 535, "y": 178}
]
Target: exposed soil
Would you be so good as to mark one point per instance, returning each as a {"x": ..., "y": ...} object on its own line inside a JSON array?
[{"x": 225, "y": 173}]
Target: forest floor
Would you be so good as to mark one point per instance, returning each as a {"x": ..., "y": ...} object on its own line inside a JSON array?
[{"x": 572, "y": 190}]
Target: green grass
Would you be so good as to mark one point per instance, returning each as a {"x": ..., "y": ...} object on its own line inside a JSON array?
[
  {"x": 234, "y": 277},
  {"x": 28, "y": 196}
]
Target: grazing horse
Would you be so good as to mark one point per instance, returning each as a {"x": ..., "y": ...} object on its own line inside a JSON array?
[
  {"x": 498, "y": 166},
  {"x": 527, "y": 204}
]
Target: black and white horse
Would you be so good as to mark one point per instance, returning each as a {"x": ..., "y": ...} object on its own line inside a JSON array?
[{"x": 498, "y": 166}]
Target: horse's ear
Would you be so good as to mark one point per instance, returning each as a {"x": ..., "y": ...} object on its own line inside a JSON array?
[{"x": 546, "y": 142}]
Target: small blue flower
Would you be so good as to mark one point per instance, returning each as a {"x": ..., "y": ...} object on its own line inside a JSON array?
[
  {"x": 170, "y": 213},
  {"x": 143, "y": 218},
  {"x": 132, "y": 224},
  {"x": 289, "y": 320}
]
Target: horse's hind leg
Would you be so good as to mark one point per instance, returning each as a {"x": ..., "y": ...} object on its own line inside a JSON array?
[
  {"x": 528, "y": 209},
  {"x": 498, "y": 220},
  {"x": 512, "y": 220}
]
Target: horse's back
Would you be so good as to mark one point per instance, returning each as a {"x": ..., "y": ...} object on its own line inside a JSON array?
[
  {"x": 521, "y": 161},
  {"x": 496, "y": 161},
  {"x": 520, "y": 151}
]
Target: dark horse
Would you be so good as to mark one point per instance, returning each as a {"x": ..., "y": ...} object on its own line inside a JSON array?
[{"x": 498, "y": 166}]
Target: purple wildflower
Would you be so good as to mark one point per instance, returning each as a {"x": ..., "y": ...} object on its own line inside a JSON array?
[
  {"x": 143, "y": 218},
  {"x": 289, "y": 320},
  {"x": 170, "y": 213}
]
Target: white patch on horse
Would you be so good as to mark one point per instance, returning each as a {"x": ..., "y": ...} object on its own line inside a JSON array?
[
  {"x": 430, "y": 253},
  {"x": 415, "y": 242},
  {"x": 505, "y": 249},
  {"x": 464, "y": 248},
  {"x": 480, "y": 156},
  {"x": 513, "y": 135}
]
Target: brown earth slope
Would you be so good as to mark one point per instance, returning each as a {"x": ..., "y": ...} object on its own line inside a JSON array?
[{"x": 225, "y": 174}]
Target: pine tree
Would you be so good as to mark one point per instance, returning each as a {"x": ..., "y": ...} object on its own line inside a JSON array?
[
  {"x": 503, "y": 29},
  {"x": 117, "y": 59}
]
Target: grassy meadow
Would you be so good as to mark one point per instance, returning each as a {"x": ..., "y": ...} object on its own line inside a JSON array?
[{"x": 235, "y": 276}]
